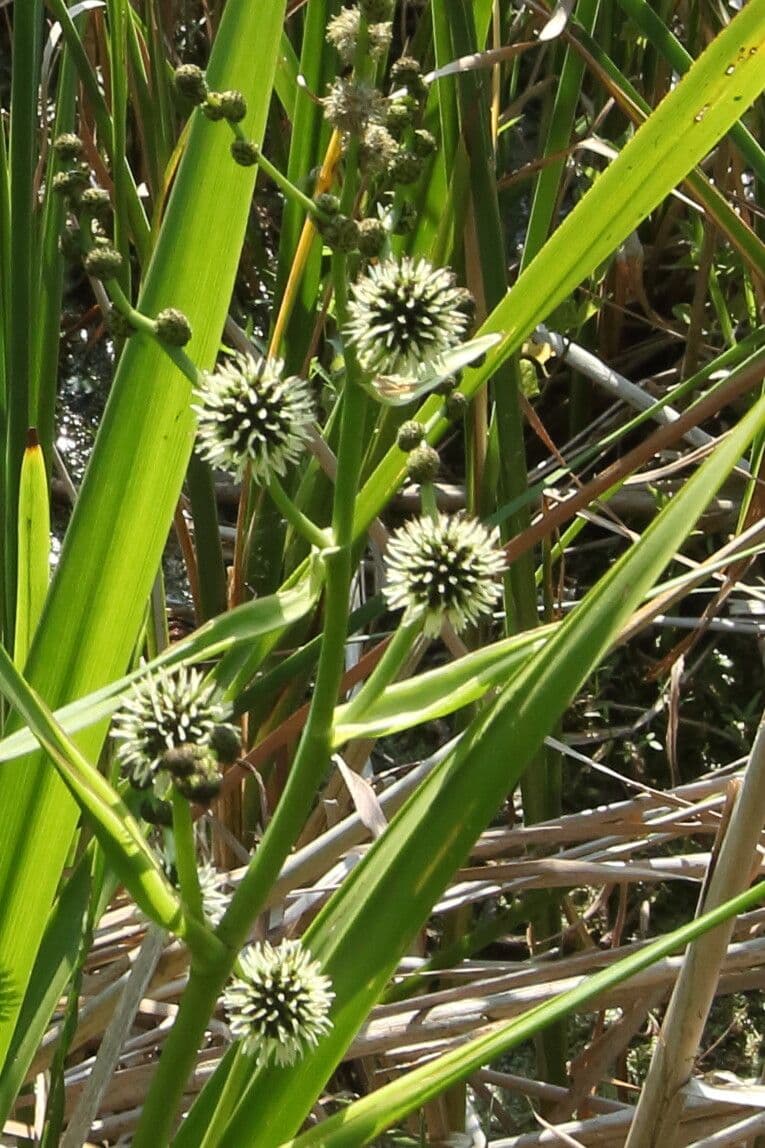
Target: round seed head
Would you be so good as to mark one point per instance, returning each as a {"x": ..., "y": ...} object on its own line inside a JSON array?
[
  {"x": 407, "y": 73},
  {"x": 441, "y": 568},
  {"x": 343, "y": 35},
  {"x": 410, "y": 435},
  {"x": 203, "y": 785},
  {"x": 378, "y": 148},
  {"x": 351, "y": 105},
  {"x": 190, "y": 83},
  {"x": 173, "y": 327},
  {"x": 327, "y": 203},
  {"x": 249, "y": 413},
  {"x": 455, "y": 405},
  {"x": 233, "y": 106},
  {"x": 404, "y": 313},
  {"x": 244, "y": 152},
  {"x": 102, "y": 262},
  {"x": 372, "y": 237},
  {"x": 405, "y": 167},
  {"x": 166, "y": 712},
  {"x": 277, "y": 1005},
  {"x": 212, "y": 106},
  {"x": 423, "y": 464},
  {"x": 341, "y": 233},
  {"x": 423, "y": 143},
  {"x": 96, "y": 202},
  {"x": 68, "y": 147},
  {"x": 70, "y": 182}
]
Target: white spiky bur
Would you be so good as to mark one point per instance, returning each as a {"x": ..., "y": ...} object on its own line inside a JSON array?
[
  {"x": 166, "y": 711},
  {"x": 278, "y": 1002},
  {"x": 444, "y": 567},
  {"x": 249, "y": 413}
]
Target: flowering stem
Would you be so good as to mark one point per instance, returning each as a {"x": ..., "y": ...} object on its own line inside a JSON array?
[
  {"x": 185, "y": 856},
  {"x": 301, "y": 523},
  {"x": 239, "y": 1072},
  {"x": 396, "y": 652},
  {"x": 428, "y": 500},
  {"x": 280, "y": 179}
]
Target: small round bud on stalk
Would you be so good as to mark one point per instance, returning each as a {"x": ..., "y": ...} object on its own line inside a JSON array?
[
  {"x": 212, "y": 107},
  {"x": 327, "y": 203},
  {"x": 423, "y": 464},
  {"x": 190, "y": 83},
  {"x": 233, "y": 106},
  {"x": 103, "y": 262},
  {"x": 70, "y": 182},
  {"x": 183, "y": 760},
  {"x": 455, "y": 405},
  {"x": 372, "y": 237},
  {"x": 375, "y": 11},
  {"x": 350, "y": 106},
  {"x": 423, "y": 143},
  {"x": 68, "y": 147},
  {"x": 407, "y": 73},
  {"x": 446, "y": 386},
  {"x": 203, "y": 785},
  {"x": 173, "y": 327},
  {"x": 226, "y": 743},
  {"x": 410, "y": 435},
  {"x": 343, "y": 35},
  {"x": 341, "y": 233},
  {"x": 96, "y": 202},
  {"x": 378, "y": 148},
  {"x": 244, "y": 153},
  {"x": 405, "y": 167},
  {"x": 400, "y": 115}
]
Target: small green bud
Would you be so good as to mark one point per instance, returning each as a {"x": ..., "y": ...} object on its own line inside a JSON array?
[
  {"x": 68, "y": 147},
  {"x": 423, "y": 464},
  {"x": 341, "y": 233},
  {"x": 455, "y": 405},
  {"x": 96, "y": 201},
  {"x": 410, "y": 435},
  {"x": 211, "y": 106},
  {"x": 244, "y": 152},
  {"x": 233, "y": 106},
  {"x": 407, "y": 73},
  {"x": 225, "y": 743},
  {"x": 374, "y": 11},
  {"x": 405, "y": 167},
  {"x": 423, "y": 143},
  {"x": 103, "y": 262},
  {"x": 70, "y": 182},
  {"x": 203, "y": 785},
  {"x": 173, "y": 327},
  {"x": 378, "y": 148},
  {"x": 183, "y": 760},
  {"x": 446, "y": 386},
  {"x": 372, "y": 237},
  {"x": 401, "y": 114},
  {"x": 190, "y": 83},
  {"x": 327, "y": 203}
]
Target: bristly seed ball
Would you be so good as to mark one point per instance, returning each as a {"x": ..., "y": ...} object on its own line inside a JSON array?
[
  {"x": 278, "y": 1002},
  {"x": 443, "y": 567},
  {"x": 249, "y": 413},
  {"x": 404, "y": 314}
]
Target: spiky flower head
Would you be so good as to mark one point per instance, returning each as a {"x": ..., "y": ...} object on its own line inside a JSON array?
[
  {"x": 350, "y": 105},
  {"x": 404, "y": 313},
  {"x": 249, "y": 413},
  {"x": 278, "y": 1004},
  {"x": 343, "y": 34},
  {"x": 443, "y": 567},
  {"x": 168, "y": 712}
]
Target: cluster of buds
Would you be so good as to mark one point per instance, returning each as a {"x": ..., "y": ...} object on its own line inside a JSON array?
[
  {"x": 90, "y": 204},
  {"x": 191, "y": 85}
]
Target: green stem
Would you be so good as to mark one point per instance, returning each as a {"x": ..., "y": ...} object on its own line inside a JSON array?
[
  {"x": 232, "y": 1090},
  {"x": 299, "y": 521},
  {"x": 185, "y": 856},
  {"x": 385, "y": 671},
  {"x": 428, "y": 500},
  {"x": 281, "y": 180}
]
